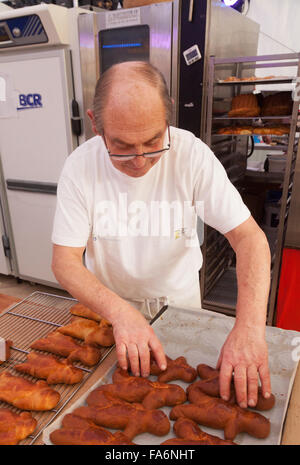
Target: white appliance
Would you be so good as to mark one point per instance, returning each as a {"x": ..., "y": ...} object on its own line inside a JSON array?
[{"x": 39, "y": 118}]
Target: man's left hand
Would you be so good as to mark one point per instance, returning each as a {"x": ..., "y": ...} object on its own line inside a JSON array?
[{"x": 244, "y": 353}]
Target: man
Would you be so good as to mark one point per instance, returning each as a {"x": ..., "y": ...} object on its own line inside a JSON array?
[{"x": 136, "y": 160}]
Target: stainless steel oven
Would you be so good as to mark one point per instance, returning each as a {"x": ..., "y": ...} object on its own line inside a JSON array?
[{"x": 177, "y": 37}]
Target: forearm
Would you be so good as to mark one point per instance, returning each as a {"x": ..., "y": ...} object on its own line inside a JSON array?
[
  {"x": 133, "y": 335},
  {"x": 253, "y": 276},
  {"x": 83, "y": 285}
]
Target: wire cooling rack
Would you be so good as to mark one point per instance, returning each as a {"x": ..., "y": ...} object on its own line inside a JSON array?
[{"x": 23, "y": 323}]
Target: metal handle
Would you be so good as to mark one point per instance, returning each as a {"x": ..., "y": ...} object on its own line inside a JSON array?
[
  {"x": 31, "y": 186},
  {"x": 191, "y": 10}
]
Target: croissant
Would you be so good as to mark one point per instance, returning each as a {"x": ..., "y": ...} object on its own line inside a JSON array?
[
  {"x": 50, "y": 368},
  {"x": 90, "y": 331},
  {"x": 82, "y": 310},
  {"x": 210, "y": 385},
  {"x": 219, "y": 414},
  {"x": 83, "y": 432},
  {"x": 152, "y": 394},
  {"x": 134, "y": 419},
  {"x": 176, "y": 369},
  {"x": 65, "y": 346},
  {"x": 26, "y": 395},
  {"x": 188, "y": 432},
  {"x": 15, "y": 427}
]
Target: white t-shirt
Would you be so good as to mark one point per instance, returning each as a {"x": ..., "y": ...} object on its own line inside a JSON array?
[{"x": 140, "y": 233}]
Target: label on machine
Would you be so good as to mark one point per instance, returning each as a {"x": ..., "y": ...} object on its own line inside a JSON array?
[{"x": 130, "y": 17}]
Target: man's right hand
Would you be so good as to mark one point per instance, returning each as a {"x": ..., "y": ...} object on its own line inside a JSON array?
[
  {"x": 133, "y": 335},
  {"x": 134, "y": 339}
]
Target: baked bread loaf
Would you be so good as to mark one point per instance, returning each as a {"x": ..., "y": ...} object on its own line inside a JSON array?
[
  {"x": 177, "y": 369},
  {"x": 104, "y": 409},
  {"x": 279, "y": 104},
  {"x": 219, "y": 414},
  {"x": 26, "y": 395},
  {"x": 250, "y": 78},
  {"x": 188, "y": 432},
  {"x": 210, "y": 385},
  {"x": 277, "y": 130},
  {"x": 152, "y": 394},
  {"x": 50, "y": 368},
  {"x": 90, "y": 331},
  {"x": 244, "y": 105},
  {"x": 14, "y": 427},
  {"x": 77, "y": 431},
  {"x": 66, "y": 346},
  {"x": 236, "y": 130},
  {"x": 82, "y": 310}
]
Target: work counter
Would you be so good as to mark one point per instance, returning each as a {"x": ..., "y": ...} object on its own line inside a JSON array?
[{"x": 291, "y": 427}]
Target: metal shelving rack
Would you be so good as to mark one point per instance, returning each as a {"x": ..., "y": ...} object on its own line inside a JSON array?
[{"x": 218, "y": 276}]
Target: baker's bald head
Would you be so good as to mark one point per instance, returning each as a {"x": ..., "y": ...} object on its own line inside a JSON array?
[{"x": 132, "y": 87}]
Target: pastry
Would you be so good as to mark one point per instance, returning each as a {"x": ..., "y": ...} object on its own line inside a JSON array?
[
  {"x": 244, "y": 105},
  {"x": 177, "y": 369},
  {"x": 278, "y": 104},
  {"x": 219, "y": 414},
  {"x": 151, "y": 394},
  {"x": 50, "y": 368},
  {"x": 210, "y": 385},
  {"x": 105, "y": 409},
  {"x": 239, "y": 130},
  {"x": 14, "y": 427},
  {"x": 90, "y": 331},
  {"x": 66, "y": 346},
  {"x": 26, "y": 395},
  {"x": 83, "y": 432},
  {"x": 188, "y": 432},
  {"x": 278, "y": 130},
  {"x": 82, "y": 310}
]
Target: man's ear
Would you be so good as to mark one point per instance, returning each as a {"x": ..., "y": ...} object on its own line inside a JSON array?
[{"x": 93, "y": 121}]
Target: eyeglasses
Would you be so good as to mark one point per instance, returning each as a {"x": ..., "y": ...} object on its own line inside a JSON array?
[{"x": 131, "y": 156}]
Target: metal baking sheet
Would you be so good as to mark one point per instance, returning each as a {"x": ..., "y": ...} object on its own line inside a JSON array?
[{"x": 199, "y": 336}]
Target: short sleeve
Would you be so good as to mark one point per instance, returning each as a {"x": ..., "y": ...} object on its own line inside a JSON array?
[
  {"x": 218, "y": 202},
  {"x": 71, "y": 221}
]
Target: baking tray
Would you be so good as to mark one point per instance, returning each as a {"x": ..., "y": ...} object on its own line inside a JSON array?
[
  {"x": 34, "y": 317},
  {"x": 199, "y": 336}
]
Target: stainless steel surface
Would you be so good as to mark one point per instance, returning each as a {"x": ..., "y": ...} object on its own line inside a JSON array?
[
  {"x": 34, "y": 317},
  {"x": 222, "y": 27},
  {"x": 157, "y": 16},
  {"x": 89, "y": 66}
]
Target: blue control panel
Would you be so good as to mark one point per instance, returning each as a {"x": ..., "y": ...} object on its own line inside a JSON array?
[{"x": 23, "y": 30}]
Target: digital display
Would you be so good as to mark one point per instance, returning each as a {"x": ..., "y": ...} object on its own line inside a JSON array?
[
  {"x": 192, "y": 54},
  {"x": 123, "y": 44},
  {"x": 4, "y": 37}
]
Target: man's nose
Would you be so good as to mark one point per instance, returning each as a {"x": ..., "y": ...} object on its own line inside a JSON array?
[{"x": 139, "y": 162}]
